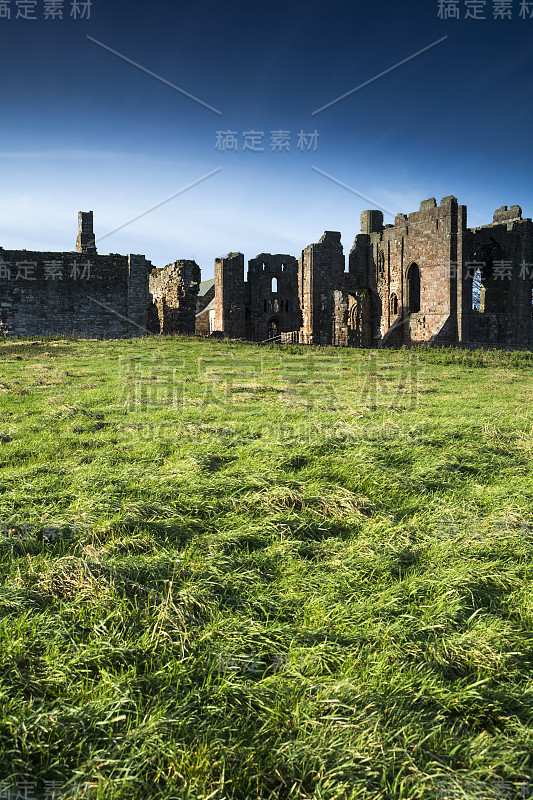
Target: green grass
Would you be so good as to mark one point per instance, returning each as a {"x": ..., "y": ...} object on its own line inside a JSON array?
[{"x": 234, "y": 571}]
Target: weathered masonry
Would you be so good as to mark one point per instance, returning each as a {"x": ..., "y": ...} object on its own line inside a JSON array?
[
  {"x": 262, "y": 307},
  {"x": 173, "y": 298},
  {"x": 421, "y": 277},
  {"x": 80, "y": 292},
  {"x": 426, "y": 279}
]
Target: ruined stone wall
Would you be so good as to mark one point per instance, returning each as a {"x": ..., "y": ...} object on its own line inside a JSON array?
[
  {"x": 503, "y": 252},
  {"x": 47, "y": 294},
  {"x": 353, "y": 318},
  {"x": 83, "y": 293},
  {"x": 320, "y": 273},
  {"x": 384, "y": 259},
  {"x": 408, "y": 283},
  {"x": 268, "y": 311},
  {"x": 173, "y": 295},
  {"x": 230, "y": 296}
]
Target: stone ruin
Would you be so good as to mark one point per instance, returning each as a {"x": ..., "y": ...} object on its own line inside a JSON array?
[
  {"x": 82, "y": 292},
  {"x": 426, "y": 279}
]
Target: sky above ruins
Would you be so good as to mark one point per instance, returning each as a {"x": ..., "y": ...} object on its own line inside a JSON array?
[{"x": 194, "y": 130}]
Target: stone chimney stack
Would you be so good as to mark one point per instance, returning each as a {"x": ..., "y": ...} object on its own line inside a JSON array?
[{"x": 85, "y": 242}]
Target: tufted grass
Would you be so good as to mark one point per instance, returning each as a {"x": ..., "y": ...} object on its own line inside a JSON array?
[{"x": 231, "y": 571}]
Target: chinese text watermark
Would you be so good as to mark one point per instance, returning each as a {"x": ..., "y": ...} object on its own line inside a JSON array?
[
  {"x": 483, "y": 9},
  {"x": 45, "y": 9},
  {"x": 280, "y": 141}
]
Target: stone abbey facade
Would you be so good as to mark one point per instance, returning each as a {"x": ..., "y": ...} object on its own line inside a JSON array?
[
  {"x": 426, "y": 279},
  {"x": 410, "y": 283}
]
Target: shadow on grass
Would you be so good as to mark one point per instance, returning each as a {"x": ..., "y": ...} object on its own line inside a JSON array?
[{"x": 405, "y": 562}]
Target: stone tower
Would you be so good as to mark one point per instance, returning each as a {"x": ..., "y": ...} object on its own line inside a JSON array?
[{"x": 229, "y": 296}]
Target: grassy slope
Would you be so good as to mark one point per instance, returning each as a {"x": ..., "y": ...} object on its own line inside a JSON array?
[{"x": 230, "y": 571}]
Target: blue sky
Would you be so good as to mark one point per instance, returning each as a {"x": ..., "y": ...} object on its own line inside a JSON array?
[{"x": 83, "y": 129}]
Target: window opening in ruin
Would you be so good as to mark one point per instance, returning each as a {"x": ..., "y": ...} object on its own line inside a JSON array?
[
  {"x": 494, "y": 279},
  {"x": 274, "y": 286},
  {"x": 476, "y": 290},
  {"x": 393, "y": 304},
  {"x": 413, "y": 289}
]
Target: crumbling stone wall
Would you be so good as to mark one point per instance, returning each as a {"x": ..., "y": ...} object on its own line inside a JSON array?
[
  {"x": 173, "y": 297},
  {"x": 321, "y": 272},
  {"x": 229, "y": 296},
  {"x": 83, "y": 293},
  {"x": 353, "y": 318},
  {"x": 410, "y": 270},
  {"x": 408, "y": 283},
  {"x": 263, "y": 307},
  {"x": 420, "y": 272},
  {"x": 272, "y": 304},
  {"x": 504, "y": 252}
]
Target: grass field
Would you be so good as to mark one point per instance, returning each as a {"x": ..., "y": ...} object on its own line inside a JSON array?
[{"x": 234, "y": 571}]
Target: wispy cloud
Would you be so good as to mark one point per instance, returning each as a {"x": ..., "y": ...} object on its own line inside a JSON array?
[{"x": 87, "y": 155}]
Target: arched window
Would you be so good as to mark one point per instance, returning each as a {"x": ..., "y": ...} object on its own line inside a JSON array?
[
  {"x": 413, "y": 289},
  {"x": 274, "y": 286},
  {"x": 393, "y": 304}
]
